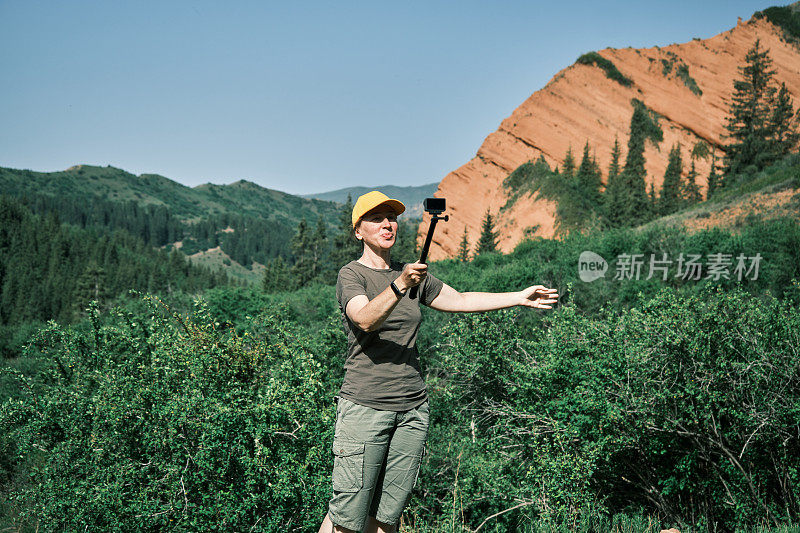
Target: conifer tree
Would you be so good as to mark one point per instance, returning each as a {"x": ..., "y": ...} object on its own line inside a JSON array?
[
  {"x": 670, "y": 200},
  {"x": 653, "y": 198},
  {"x": 783, "y": 123},
  {"x": 589, "y": 179},
  {"x": 319, "y": 251},
  {"x": 304, "y": 269},
  {"x": 760, "y": 121},
  {"x": 613, "y": 168},
  {"x": 277, "y": 276},
  {"x": 463, "y": 248},
  {"x": 700, "y": 150},
  {"x": 579, "y": 199},
  {"x": 91, "y": 286},
  {"x": 691, "y": 191},
  {"x": 568, "y": 166},
  {"x": 487, "y": 242},
  {"x": 628, "y": 204},
  {"x": 345, "y": 246},
  {"x": 613, "y": 198},
  {"x": 712, "y": 180}
]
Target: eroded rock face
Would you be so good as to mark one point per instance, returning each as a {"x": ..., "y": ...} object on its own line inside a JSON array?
[{"x": 582, "y": 104}]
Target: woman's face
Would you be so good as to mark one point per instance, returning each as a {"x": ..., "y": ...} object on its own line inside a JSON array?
[{"x": 378, "y": 228}]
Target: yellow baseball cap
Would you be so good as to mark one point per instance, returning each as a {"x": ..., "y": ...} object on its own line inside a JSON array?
[{"x": 371, "y": 200}]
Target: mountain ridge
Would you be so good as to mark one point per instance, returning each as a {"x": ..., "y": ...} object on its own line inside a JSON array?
[
  {"x": 243, "y": 197},
  {"x": 688, "y": 85},
  {"x": 412, "y": 196}
]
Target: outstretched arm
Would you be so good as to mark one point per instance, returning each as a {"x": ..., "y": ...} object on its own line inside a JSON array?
[{"x": 536, "y": 296}]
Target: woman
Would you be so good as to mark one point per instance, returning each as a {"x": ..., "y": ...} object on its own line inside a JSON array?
[{"x": 382, "y": 408}]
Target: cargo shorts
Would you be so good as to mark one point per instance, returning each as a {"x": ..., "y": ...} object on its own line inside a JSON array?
[{"x": 376, "y": 460}]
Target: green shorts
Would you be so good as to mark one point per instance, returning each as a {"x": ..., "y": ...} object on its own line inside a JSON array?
[{"x": 377, "y": 455}]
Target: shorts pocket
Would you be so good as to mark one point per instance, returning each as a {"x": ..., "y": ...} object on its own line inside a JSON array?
[
  {"x": 348, "y": 465},
  {"x": 419, "y": 465}
]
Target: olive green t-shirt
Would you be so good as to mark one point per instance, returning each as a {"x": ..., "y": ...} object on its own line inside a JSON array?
[{"x": 382, "y": 367}]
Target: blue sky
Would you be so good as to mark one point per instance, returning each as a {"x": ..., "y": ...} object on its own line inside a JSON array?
[{"x": 301, "y": 97}]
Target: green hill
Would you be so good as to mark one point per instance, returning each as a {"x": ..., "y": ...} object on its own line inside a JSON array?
[
  {"x": 412, "y": 197},
  {"x": 241, "y": 197},
  {"x": 248, "y": 222}
]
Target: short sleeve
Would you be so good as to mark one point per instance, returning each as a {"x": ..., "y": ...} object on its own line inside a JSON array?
[
  {"x": 348, "y": 285},
  {"x": 431, "y": 288}
]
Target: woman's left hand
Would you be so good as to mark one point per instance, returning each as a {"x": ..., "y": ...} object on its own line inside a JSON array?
[{"x": 538, "y": 296}]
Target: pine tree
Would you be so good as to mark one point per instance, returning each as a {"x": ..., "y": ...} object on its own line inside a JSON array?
[
  {"x": 670, "y": 200},
  {"x": 613, "y": 168},
  {"x": 488, "y": 239},
  {"x": 653, "y": 198},
  {"x": 91, "y": 286},
  {"x": 304, "y": 269},
  {"x": 691, "y": 191},
  {"x": 463, "y": 248},
  {"x": 568, "y": 167},
  {"x": 613, "y": 197},
  {"x": 759, "y": 123},
  {"x": 345, "y": 246},
  {"x": 319, "y": 252},
  {"x": 783, "y": 123},
  {"x": 277, "y": 276},
  {"x": 713, "y": 179},
  {"x": 627, "y": 202},
  {"x": 579, "y": 199},
  {"x": 589, "y": 179}
]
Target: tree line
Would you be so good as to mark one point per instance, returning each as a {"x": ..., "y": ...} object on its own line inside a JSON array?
[
  {"x": 50, "y": 270},
  {"x": 244, "y": 238}
]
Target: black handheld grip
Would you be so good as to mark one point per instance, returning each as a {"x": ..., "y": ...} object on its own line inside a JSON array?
[{"x": 424, "y": 255}]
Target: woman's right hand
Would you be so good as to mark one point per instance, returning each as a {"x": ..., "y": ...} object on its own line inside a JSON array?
[{"x": 413, "y": 274}]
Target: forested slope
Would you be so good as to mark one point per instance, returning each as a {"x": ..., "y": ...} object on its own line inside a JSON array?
[
  {"x": 52, "y": 271},
  {"x": 250, "y": 223}
]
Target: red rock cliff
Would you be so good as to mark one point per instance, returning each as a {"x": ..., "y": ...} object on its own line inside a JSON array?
[{"x": 581, "y": 104}]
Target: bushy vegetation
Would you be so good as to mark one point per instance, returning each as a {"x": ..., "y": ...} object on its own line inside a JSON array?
[
  {"x": 682, "y": 72},
  {"x": 638, "y": 404},
  {"x": 785, "y": 17},
  {"x": 688, "y": 80},
  {"x": 665, "y": 407},
  {"x": 593, "y": 58}
]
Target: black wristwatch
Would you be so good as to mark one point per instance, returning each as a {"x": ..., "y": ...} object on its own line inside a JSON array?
[{"x": 397, "y": 291}]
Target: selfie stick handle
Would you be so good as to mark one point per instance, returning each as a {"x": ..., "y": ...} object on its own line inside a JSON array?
[{"x": 424, "y": 256}]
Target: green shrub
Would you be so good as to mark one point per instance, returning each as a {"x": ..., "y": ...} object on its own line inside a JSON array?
[
  {"x": 687, "y": 406},
  {"x": 683, "y": 74},
  {"x": 593, "y": 58},
  {"x": 154, "y": 422}
]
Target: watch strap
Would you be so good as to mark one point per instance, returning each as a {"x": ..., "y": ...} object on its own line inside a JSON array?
[{"x": 397, "y": 291}]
